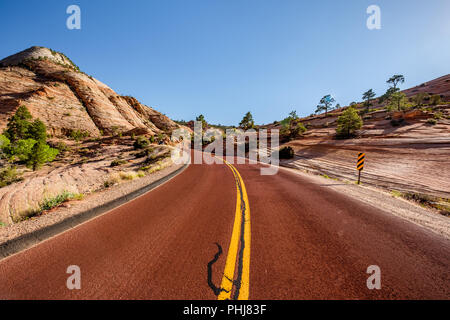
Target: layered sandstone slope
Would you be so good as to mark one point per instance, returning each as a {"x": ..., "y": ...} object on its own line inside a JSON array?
[
  {"x": 406, "y": 151},
  {"x": 66, "y": 99}
]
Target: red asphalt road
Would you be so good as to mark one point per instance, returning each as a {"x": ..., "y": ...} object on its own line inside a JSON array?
[{"x": 307, "y": 242}]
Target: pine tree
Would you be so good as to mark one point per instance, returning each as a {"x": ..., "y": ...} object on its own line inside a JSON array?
[
  {"x": 396, "y": 79},
  {"x": 367, "y": 96},
  {"x": 348, "y": 123},
  {"x": 325, "y": 104},
  {"x": 41, "y": 154},
  {"x": 18, "y": 125},
  {"x": 397, "y": 102},
  {"x": 37, "y": 131},
  {"x": 247, "y": 122}
]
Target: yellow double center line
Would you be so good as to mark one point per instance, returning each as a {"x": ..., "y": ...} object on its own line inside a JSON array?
[{"x": 237, "y": 266}]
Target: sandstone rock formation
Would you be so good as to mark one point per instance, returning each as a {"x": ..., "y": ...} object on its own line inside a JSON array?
[{"x": 66, "y": 99}]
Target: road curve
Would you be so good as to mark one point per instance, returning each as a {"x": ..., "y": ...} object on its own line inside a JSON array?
[{"x": 307, "y": 242}]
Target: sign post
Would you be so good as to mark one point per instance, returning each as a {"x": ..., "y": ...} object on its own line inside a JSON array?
[{"x": 360, "y": 165}]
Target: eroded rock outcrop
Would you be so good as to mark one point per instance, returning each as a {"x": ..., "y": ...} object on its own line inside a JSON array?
[{"x": 66, "y": 99}]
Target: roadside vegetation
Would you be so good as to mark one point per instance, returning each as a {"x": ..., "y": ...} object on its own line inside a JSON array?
[
  {"x": 351, "y": 118},
  {"x": 50, "y": 203},
  {"x": 442, "y": 205},
  {"x": 24, "y": 141},
  {"x": 286, "y": 152},
  {"x": 291, "y": 128}
]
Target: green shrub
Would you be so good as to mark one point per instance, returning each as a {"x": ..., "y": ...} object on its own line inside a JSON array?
[
  {"x": 8, "y": 176},
  {"x": 432, "y": 121},
  {"x": 118, "y": 162},
  {"x": 438, "y": 115},
  {"x": 299, "y": 129},
  {"x": 61, "y": 146},
  {"x": 50, "y": 203},
  {"x": 286, "y": 153},
  {"x": 348, "y": 122},
  {"x": 160, "y": 137},
  {"x": 290, "y": 129},
  {"x": 396, "y": 123},
  {"x": 18, "y": 125},
  {"x": 78, "y": 135},
  {"x": 41, "y": 153},
  {"x": 141, "y": 143},
  {"x": 435, "y": 99},
  {"x": 145, "y": 153},
  {"x": 419, "y": 99},
  {"x": 4, "y": 145},
  {"x": 22, "y": 150},
  {"x": 37, "y": 131},
  {"x": 397, "y": 102}
]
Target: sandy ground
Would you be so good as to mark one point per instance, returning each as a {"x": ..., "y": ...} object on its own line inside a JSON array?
[
  {"x": 410, "y": 158},
  {"x": 421, "y": 168}
]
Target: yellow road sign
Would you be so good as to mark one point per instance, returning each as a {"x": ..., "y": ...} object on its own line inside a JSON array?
[{"x": 360, "y": 162}]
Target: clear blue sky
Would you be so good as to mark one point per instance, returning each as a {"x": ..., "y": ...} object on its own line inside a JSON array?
[{"x": 223, "y": 58}]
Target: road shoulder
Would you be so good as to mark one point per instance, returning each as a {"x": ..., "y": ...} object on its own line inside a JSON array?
[
  {"x": 378, "y": 198},
  {"x": 20, "y": 236}
]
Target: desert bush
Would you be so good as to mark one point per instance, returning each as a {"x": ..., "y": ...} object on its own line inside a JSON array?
[
  {"x": 118, "y": 162},
  {"x": 286, "y": 153},
  {"x": 438, "y": 115},
  {"x": 50, "y": 203},
  {"x": 141, "y": 143},
  {"x": 419, "y": 99},
  {"x": 141, "y": 174},
  {"x": 298, "y": 129},
  {"x": 145, "y": 153},
  {"x": 129, "y": 175},
  {"x": 156, "y": 157},
  {"x": 435, "y": 99},
  {"x": 290, "y": 128},
  {"x": 160, "y": 138},
  {"x": 112, "y": 180},
  {"x": 61, "y": 146},
  {"x": 8, "y": 176},
  {"x": 397, "y": 102},
  {"x": 396, "y": 123},
  {"x": 78, "y": 135},
  {"x": 432, "y": 121}
]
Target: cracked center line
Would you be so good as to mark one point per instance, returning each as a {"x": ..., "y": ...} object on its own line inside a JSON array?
[{"x": 239, "y": 249}]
